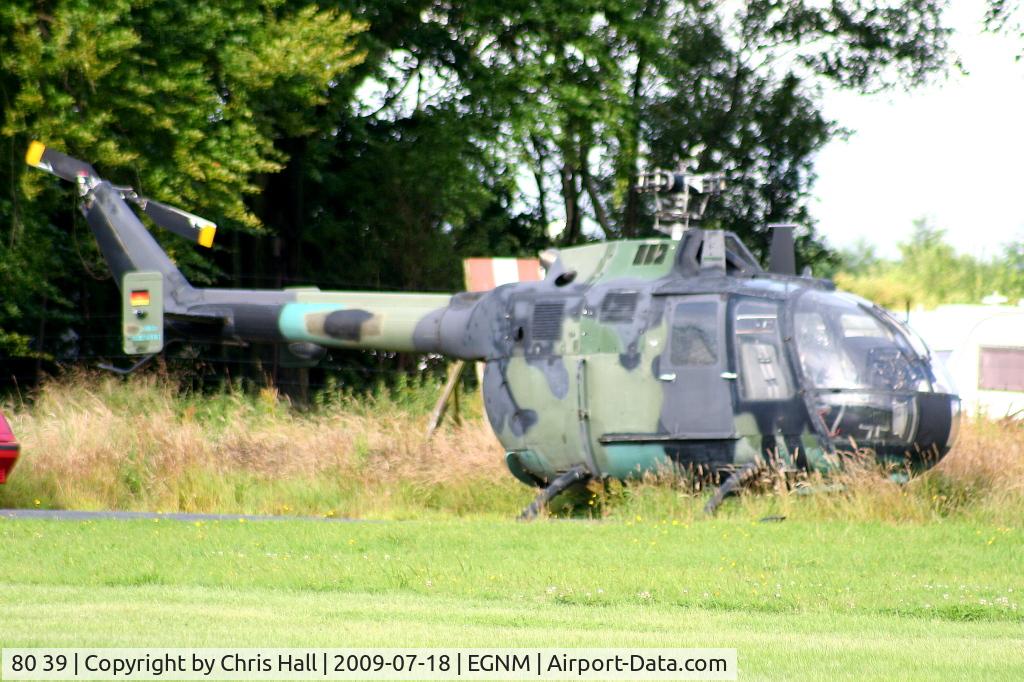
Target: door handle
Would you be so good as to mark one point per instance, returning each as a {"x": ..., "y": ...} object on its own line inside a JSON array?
[{"x": 667, "y": 376}]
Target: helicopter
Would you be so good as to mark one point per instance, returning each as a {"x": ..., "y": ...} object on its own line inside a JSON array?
[{"x": 630, "y": 356}]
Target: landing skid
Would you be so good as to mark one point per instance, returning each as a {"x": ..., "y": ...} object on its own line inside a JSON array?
[
  {"x": 736, "y": 479},
  {"x": 577, "y": 474},
  {"x": 125, "y": 371}
]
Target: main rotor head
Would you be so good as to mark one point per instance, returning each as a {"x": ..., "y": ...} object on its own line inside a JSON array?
[{"x": 681, "y": 196}]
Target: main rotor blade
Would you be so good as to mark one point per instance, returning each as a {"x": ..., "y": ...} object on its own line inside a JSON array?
[
  {"x": 61, "y": 165},
  {"x": 181, "y": 223}
]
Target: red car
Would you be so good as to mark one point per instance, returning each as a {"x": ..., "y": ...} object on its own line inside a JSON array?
[{"x": 9, "y": 449}]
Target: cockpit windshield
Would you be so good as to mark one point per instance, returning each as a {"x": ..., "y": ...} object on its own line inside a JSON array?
[{"x": 843, "y": 345}]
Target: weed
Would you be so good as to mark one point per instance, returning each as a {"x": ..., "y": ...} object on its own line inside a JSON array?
[{"x": 98, "y": 441}]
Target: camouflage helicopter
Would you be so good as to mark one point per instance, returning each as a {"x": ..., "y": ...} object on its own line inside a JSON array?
[{"x": 630, "y": 356}]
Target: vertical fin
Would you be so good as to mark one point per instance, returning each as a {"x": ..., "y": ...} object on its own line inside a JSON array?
[{"x": 127, "y": 245}]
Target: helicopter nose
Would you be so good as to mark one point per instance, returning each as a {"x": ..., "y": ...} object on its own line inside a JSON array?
[
  {"x": 912, "y": 430},
  {"x": 938, "y": 424}
]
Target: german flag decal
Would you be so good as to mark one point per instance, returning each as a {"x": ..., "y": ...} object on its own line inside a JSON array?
[{"x": 140, "y": 297}]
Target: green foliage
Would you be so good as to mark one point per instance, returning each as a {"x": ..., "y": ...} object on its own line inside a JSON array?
[
  {"x": 929, "y": 273},
  {"x": 1006, "y": 16},
  {"x": 590, "y": 91},
  {"x": 736, "y": 563},
  {"x": 185, "y": 101},
  {"x": 375, "y": 144}
]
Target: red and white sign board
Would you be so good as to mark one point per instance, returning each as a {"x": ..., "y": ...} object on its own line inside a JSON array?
[{"x": 483, "y": 274}]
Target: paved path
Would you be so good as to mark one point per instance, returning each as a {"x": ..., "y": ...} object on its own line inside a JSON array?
[{"x": 70, "y": 515}]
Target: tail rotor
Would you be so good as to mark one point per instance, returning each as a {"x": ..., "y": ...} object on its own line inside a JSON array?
[{"x": 182, "y": 223}]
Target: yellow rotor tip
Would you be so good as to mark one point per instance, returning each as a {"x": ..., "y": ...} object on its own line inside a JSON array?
[
  {"x": 34, "y": 155},
  {"x": 206, "y": 234}
]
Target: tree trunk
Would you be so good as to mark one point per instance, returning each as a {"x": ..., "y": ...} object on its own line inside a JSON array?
[
  {"x": 40, "y": 342},
  {"x": 538, "y": 177},
  {"x": 631, "y": 214},
  {"x": 571, "y": 197},
  {"x": 595, "y": 198}
]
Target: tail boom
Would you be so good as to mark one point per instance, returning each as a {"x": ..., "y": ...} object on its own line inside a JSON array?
[{"x": 424, "y": 323}]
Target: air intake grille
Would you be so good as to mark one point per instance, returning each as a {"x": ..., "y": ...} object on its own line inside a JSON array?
[
  {"x": 618, "y": 306},
  {"x": 650, "y": 254},
  {"x": 547, "y": 321}
]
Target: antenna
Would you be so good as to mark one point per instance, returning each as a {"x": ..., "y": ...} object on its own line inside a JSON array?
[{"x": 681, "y": 196}]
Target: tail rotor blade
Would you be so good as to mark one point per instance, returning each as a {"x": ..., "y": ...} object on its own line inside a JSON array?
[
  {"x": 181, "y": 223},
  {"x": 61, "y": 165}
]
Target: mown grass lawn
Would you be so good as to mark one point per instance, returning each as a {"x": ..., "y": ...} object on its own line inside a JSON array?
[{"x": 798, "y": 600}]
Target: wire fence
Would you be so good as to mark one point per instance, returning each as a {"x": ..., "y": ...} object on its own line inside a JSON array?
[
  {"x": 211, "y": 366},
  {"x": 94, "y": 339}
]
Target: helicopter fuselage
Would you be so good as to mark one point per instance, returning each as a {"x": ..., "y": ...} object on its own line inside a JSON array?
[
  {"x": 633, "y": 357},
  {"x": 643, "y": 364}
]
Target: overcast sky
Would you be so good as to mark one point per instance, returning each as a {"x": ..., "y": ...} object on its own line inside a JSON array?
[{"x": 953, "y": 152}]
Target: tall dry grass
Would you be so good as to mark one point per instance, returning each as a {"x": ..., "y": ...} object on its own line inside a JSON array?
[
  {"x": 981, "y": 479},
  {"x": 988, "y": 455},
  {"x": 94, "y": 441}
]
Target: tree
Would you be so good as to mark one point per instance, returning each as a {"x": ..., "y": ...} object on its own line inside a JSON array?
[
  {"x": 1005, "y": 16},
  {"x": 862, "y": 257},
  {"x": 588, "y": 91},
  {"x": 930, "y": 272},
  {"x": 185, "y": 101},
  {"x": 460, "y": 127}
]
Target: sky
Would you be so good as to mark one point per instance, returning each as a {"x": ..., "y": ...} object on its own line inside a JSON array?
[{"x": 952, "y": 152}]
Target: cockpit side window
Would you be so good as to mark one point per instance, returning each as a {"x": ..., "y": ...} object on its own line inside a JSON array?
[{"x": 764, "y": 373}]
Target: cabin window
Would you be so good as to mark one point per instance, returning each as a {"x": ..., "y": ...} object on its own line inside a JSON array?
[
  {"x": 694, "y": 340},
  {"x": 760, "y": 357},
  {"x": 1001, "y": 369}
]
